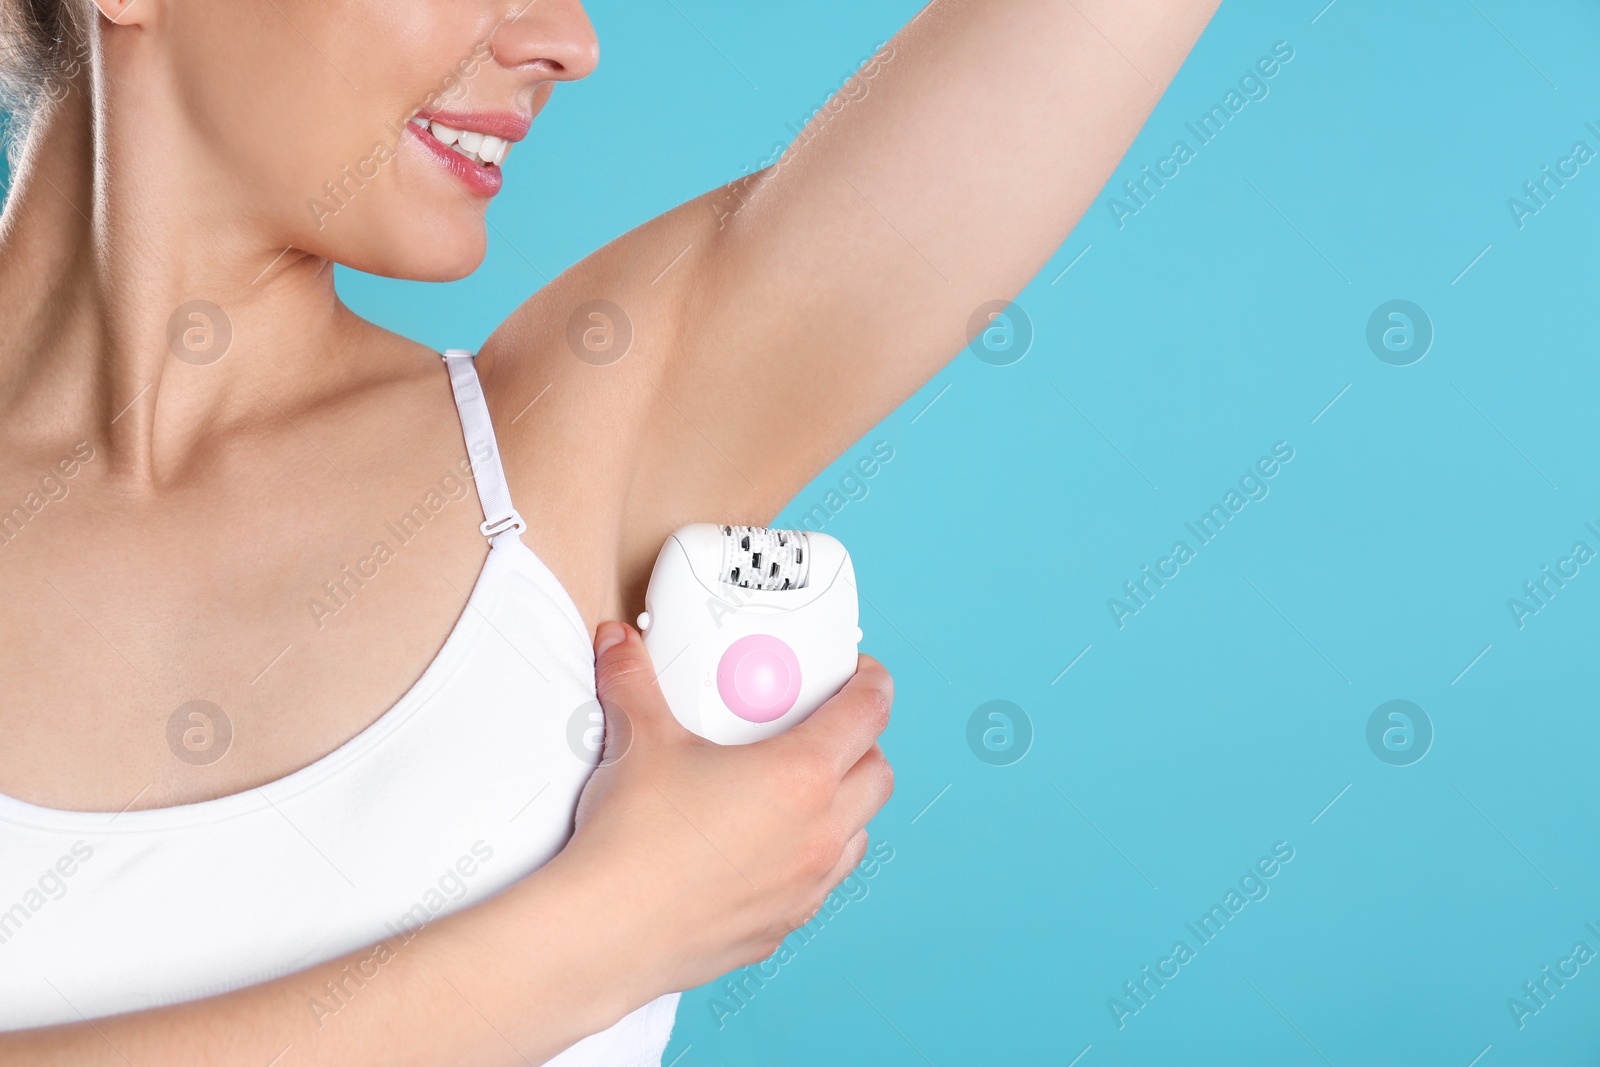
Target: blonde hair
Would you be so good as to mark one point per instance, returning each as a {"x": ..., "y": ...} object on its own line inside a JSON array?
[{"x": 43, "y": 49}]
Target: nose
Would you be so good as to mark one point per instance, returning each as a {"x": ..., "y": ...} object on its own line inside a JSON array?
[{"x": 551, "y": 38}]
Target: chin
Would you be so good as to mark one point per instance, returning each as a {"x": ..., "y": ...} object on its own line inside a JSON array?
[{"x": 394, "y": 245}]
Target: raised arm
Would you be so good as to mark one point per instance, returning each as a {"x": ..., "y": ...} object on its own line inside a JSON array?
[
  {"x": 746, "y": 338},
  {"x": 944, "y": 175}
]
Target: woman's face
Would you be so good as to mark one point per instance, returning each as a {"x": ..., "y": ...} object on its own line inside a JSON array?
[{"x": 301, "y": 106}]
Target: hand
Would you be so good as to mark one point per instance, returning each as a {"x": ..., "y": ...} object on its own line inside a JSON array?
[{"x": 713, "y": 853}]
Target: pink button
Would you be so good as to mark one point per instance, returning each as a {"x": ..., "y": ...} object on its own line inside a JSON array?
[{"x": 759, "y": 678}]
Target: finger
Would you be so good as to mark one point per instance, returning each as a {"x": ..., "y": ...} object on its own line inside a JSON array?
[
  {"x": 848, "y": 724},
  {"x": 625, "y": 682},
  {"x": 866, "y": 788}
]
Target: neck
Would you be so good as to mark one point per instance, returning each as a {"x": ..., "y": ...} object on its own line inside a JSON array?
[{"x": 125, "y": 273}]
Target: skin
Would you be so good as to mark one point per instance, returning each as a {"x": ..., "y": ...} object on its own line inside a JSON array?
[{"x": 220, "y": 497}]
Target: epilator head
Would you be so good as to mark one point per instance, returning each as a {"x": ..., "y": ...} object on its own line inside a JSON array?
[{"x": 750, "y": 629}]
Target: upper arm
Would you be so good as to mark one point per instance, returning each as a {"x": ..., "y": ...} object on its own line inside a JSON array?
[
  {"x": 832, "y": 285},
  {"x": 773, "y": 321}
]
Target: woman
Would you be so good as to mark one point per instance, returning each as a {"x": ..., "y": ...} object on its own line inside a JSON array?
[{"x": 298, "y": 621}]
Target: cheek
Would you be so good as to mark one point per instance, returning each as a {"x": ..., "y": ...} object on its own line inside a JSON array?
[
  {"x": 271, "y": 95},
  {"x": 303, "y": 105}
]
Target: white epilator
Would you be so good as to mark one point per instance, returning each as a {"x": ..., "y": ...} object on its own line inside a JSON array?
[{"x": 750, "y": 629}]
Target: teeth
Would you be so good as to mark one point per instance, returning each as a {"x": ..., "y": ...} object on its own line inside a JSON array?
[
  {"x": 481, "y": 148},
  {"x": 418, "y": 121}
]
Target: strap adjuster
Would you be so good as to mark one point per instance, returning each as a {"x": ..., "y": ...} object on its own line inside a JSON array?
[{"x": 511, "y": 521}]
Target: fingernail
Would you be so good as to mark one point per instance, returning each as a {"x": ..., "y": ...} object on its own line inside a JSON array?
[{"x": 608, "y": 634}]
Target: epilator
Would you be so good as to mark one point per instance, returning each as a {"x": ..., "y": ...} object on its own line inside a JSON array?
[{"x": 750, "y": 629}]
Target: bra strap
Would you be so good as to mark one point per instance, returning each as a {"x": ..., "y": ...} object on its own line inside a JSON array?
[{"x": 500, "y": 516}]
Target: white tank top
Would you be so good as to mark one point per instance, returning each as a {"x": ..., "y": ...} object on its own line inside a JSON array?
[{"x": 467, "y": 783}]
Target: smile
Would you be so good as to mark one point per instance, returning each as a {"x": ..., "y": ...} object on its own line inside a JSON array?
[{"x": 485, "y": 149}]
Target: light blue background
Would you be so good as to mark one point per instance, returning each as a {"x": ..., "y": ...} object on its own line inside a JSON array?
[{"x": 1230, "y": 711}]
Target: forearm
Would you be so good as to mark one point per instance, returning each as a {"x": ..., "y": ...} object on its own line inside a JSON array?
[{"x": 513, "y": 980}]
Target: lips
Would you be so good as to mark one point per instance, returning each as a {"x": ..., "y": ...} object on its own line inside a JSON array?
[
  {"x": 506, "y": 125},
  {"x": 479, "y": 179},
  {"x": 471, "y": 145}
]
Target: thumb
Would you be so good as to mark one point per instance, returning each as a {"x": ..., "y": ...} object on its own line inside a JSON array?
[{"x": 625, "y": 683}]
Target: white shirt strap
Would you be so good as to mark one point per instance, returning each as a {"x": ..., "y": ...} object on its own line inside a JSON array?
[{"x": 500, "y": 515}]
